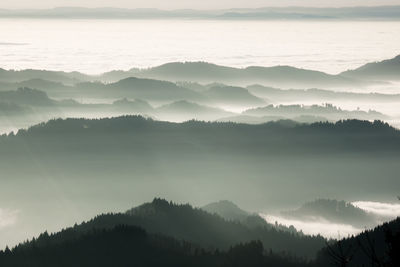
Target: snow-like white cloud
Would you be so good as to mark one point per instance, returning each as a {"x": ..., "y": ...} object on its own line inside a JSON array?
[
  {"x": 315, "y": 227},
  {"x": 389, "y": 210}
]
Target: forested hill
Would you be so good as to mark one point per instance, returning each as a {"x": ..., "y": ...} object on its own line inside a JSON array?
[
  {"x": 283, "y": 136},
  {"x": 120, "y": 153},
  {"x": 204, "y": 229},
  {"x": 132, "y": 246},
  {"x": 377, "y": 247},
  {"x": 161, "y": 233}
]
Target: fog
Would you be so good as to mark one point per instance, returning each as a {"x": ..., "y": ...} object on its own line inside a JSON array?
[
  {"x": 294, "y": 120},
  {"x": 316, "y": 227},
  {"x": 320, "y": 226}
]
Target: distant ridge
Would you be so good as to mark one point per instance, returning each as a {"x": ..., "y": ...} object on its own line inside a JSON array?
[
  {"x": 206, "y": 73},
  {"x": 265, "y": 13},
  {"x": 227, "y": 210},
  {"x": 386, "y": 70}
]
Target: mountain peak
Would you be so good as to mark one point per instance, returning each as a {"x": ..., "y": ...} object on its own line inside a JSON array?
[{"x": 227, "y": 210}]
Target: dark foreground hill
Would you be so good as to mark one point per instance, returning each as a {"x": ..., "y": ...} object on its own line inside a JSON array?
[
  {"x": 165, "y": 234},
  {"x": 377, "y": 247},
  {"x": 206, "y": 230},
  {"x": 132, "y": 246}
]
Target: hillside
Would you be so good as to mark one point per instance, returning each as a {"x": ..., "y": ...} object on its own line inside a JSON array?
[
  {"x": 184, "y": 110},
  {"x": 227, "y": 210},
  {"x": 210, "y": 231},
  {"x": 295, "y": 95},
  {"x": 132, "y": 246},
  {"x": 379, "y": 247},
  {"x": 96, "y": 165},
  {"x": 384, "y": 70},
  {"x": 26, "y": 96},
  {"x": 232, "y": 97},
  {"x": 231, "y": 212},
  {"x": 284, "y": 76},
  {"x": 146, "y": 89},
  {"x": 332, "y": 211},
  {"x": 328, "y": 111}
]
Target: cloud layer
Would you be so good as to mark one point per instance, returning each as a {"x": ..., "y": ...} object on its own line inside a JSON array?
[{"x": 382, "y": 209}]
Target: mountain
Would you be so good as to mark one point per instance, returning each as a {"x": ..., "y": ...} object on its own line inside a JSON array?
[
  {"x": 132, "y": 246},
  {"x": 136, "y": 105},
  {"x": 183, "y": 222},
  {"x": 384, "y": 70},
  {"x": 98, "y": 164},
  {"x": 333, "y": 211},
  {"x": 264, "y": 13},
  {"x": 125, "y": 245},
  {"x": 146, "y": 89},
  {"x": 67, "y": 78},
  {"x": 227, "y": 210},
  {"x": 116, "y": 75},
  {"x": 284, "y": 76},
  {"x": 376, "y": 247},
  {"x": 273, "y": 118},
  {"x": 295, "y": 95},
  {"x": 184, "y": 110},
  {"x": 232, "y": 96},
  {"x": 26, "y": 96},
  {"x": 328, "y": 111},
  {"x": 231, "y": 212}
]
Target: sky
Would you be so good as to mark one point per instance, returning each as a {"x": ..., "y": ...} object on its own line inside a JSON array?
[{"x": 194, "y": 4}]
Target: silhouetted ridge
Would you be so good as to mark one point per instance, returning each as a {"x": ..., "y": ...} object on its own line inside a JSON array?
[
  {"x": 333, "y": 211},
  {"x": 385, "y": 70},
  {"x": 184, "y": 222},
  {"x": 276, "y": 75},
  {"x": 227, "y": 210},
  {"x": 131, "y": 246},
  {"x": 377, "y": 247},
  {"x": 27, "y": 96}
]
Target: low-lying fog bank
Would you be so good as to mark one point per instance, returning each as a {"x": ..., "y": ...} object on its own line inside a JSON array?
[{"x": 316, "y": 225}]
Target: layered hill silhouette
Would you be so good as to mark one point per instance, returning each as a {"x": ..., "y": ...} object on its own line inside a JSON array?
[
  {"x": 337, "y": 132},
  {"x": 130, "y": 245},
  {"x": 264, "y": 13},
  {"x": 333, "y": 211},
  {"x": 274, "y": 76},
  {"x": 203, "y": 72},
  {"x": 227, "y": 210},
  {"x": 180, "y": 110},
  {"x": 377, "y": 247},
  {"x": 328, "y": 111},
  {"x": 231, "y": 212},
  {"x": 184, "y": 110},
  {"x": 26, "y": 96},
  {"x": 53, "y": 76},
  {"x": 384, "y": 70},
  {"x": 206, "y": 155},
  {"x": 295, "y": 95},
  {"x": 139, "y": 88},
  {"x": 205, "y": 230},
  {"x": 232, "y": 96},
  {"x": 163, "y": 233}
]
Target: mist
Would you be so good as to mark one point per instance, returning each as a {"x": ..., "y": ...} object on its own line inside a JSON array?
[{"x": 189, "y": 134}]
